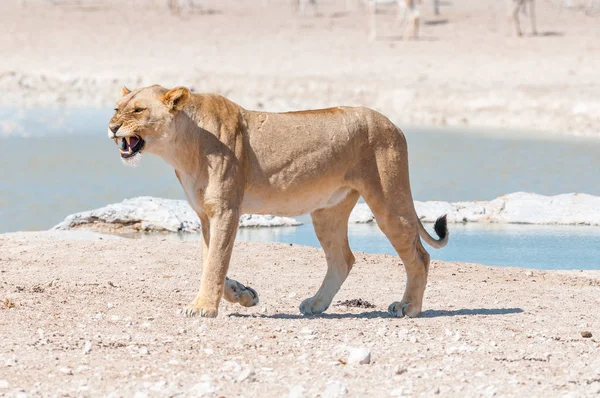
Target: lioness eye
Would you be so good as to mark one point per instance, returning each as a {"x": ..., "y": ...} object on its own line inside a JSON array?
[{"x": 138, "y": 110}]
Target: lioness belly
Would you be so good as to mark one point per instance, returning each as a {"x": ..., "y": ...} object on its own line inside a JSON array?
[{"x": 293, "y": 204}]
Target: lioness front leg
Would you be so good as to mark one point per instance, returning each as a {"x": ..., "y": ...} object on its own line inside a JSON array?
[
  {"x": 223, "y": 226},
  {"x": 233, "y": 291}
]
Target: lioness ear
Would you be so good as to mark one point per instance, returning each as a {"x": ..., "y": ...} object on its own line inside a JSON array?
[
  {"x": 175, "y": 99},
  {"x": 124, "y": 91}
]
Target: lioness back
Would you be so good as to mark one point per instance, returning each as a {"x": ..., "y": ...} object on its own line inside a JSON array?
[{"x": 309, "y": 154}]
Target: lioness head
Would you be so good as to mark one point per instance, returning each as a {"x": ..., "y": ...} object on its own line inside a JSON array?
[{"x": 143, "y": 118}]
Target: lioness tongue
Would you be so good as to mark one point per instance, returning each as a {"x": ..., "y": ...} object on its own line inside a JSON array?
[{"x": 133, "y": 141}]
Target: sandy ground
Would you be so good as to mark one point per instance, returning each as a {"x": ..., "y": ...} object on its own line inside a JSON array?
[
  {"x": 96, "y": 315},
  {"x": 468, "y": 68}
]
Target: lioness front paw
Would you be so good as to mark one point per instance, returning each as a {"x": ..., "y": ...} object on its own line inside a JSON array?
[
  {"x": 203, "y": 312},
  {"x": 235, "y": 292},
  {"x": 313, "y": 306},
  {"x": 401, "y": 309}
]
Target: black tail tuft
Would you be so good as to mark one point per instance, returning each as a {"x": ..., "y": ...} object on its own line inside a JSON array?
[{"x": 441, "y": 227}]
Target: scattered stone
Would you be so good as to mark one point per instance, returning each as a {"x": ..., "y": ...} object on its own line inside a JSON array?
[
  {"x": 4, "y": 385},
  {"x": 10, "y": 362},
  {"x": 334, "y": 389},
  {"x": 67, "y": 371},
  {"x": 292, "y": 295},
  {"x": 586, "y": 334},
  {"x": 144, "y": 350},
  {"x": 296, "y": 391},
  {"x": 360, "y": 355},
  {"x": 202, "y": 389},
  {"x": 529, "y": 273},
  {"x": 231, "y": 366},
  {"x": 246, "y": 374},
  {"x": 87, "y": 347},
  {"x": 140, "y": 394},
  {"x": 356, "y": 303},
  {"x": 109, "y": 305}
]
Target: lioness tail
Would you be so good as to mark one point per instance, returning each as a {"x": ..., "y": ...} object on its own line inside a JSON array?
[{"x": 441, "y": 229}]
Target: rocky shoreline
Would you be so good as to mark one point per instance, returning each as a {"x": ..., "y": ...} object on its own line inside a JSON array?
[{"x": 148, "y": 214}]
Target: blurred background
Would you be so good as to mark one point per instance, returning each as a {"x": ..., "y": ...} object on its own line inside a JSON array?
[{"x": 492, "y": 111}]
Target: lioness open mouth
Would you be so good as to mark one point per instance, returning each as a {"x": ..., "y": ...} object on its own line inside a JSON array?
[{"x": 129, "y": 146}]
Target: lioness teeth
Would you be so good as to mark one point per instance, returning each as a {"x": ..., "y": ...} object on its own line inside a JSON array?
[
  {"x": 128, "y": 143},
  {"x": 116, "y": 141}
]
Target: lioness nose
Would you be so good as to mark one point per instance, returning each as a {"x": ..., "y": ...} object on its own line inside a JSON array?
[{"x": 114, "y": 128}]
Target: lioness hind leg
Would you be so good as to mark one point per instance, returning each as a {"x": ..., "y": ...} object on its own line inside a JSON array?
[
  {"x": 235, "y": 292},
  {"x": 398, "y": 221},
  {"x": 331, "y": 227}
]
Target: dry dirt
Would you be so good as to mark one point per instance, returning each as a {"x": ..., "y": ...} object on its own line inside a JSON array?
[
  {"x": 468, "y": 68},
  {"x": 94, "y": 315}
]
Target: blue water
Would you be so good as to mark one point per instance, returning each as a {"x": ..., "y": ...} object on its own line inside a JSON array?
[
  {"x": 529, "y": 246},
  {"x": 54, "y": 163}
]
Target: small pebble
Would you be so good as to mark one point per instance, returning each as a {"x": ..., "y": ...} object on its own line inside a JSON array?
[
  {"x": 87, "y": 347},
  {"x": 586, "y": 334},
  {"x": 360, "y": 355},
  {"x": 67, "y": 371},
  {"x": 201, "y": 389},
  {"x": 296, "y": 392},
  {"x": 246, "y": 374},
  {"x": 334, "y": 389},
  {"x": 4, "y": 384},
  {"x": 144, "y": 351}
]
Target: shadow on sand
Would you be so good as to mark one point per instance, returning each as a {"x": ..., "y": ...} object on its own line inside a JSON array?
[{"x": 384, "y": 314}]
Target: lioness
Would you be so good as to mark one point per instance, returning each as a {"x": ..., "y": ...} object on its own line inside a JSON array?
[{"x": 230, "y": 161}]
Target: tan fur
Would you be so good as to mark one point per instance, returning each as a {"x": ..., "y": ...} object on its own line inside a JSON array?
[{"x": 231, "y": 161}]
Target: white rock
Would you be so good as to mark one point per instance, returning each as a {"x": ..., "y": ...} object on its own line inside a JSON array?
[
  {"x": 67, "y": 371},
  {"x": 140, "y": 394},
  {"x": 361, "y": 214},
  {"x": 144, "y": 351},
  {"x": 4, "y": 385},
  {"x": 296, "y": 391},
  {"x": 150, "y": 214},
  {"x": 246, "y": 374},
  {"x": 202, "y": 389},
  {"x": 231, "y": 366},
  {"x": 334, "y": 389},
  {"x": 361, "y": 355},
  {"x": 87, "y": 347},
  {"x": 515, "y": 208}
]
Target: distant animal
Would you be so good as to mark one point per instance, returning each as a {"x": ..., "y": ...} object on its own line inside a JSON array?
[
  {"x": 177, "y": 6},
  {"x": 408, "y": 13},
  {"x": 300, "y": 6},
  {"x": 230, "y": 161},
  {"x": 526, "y": 6}
]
